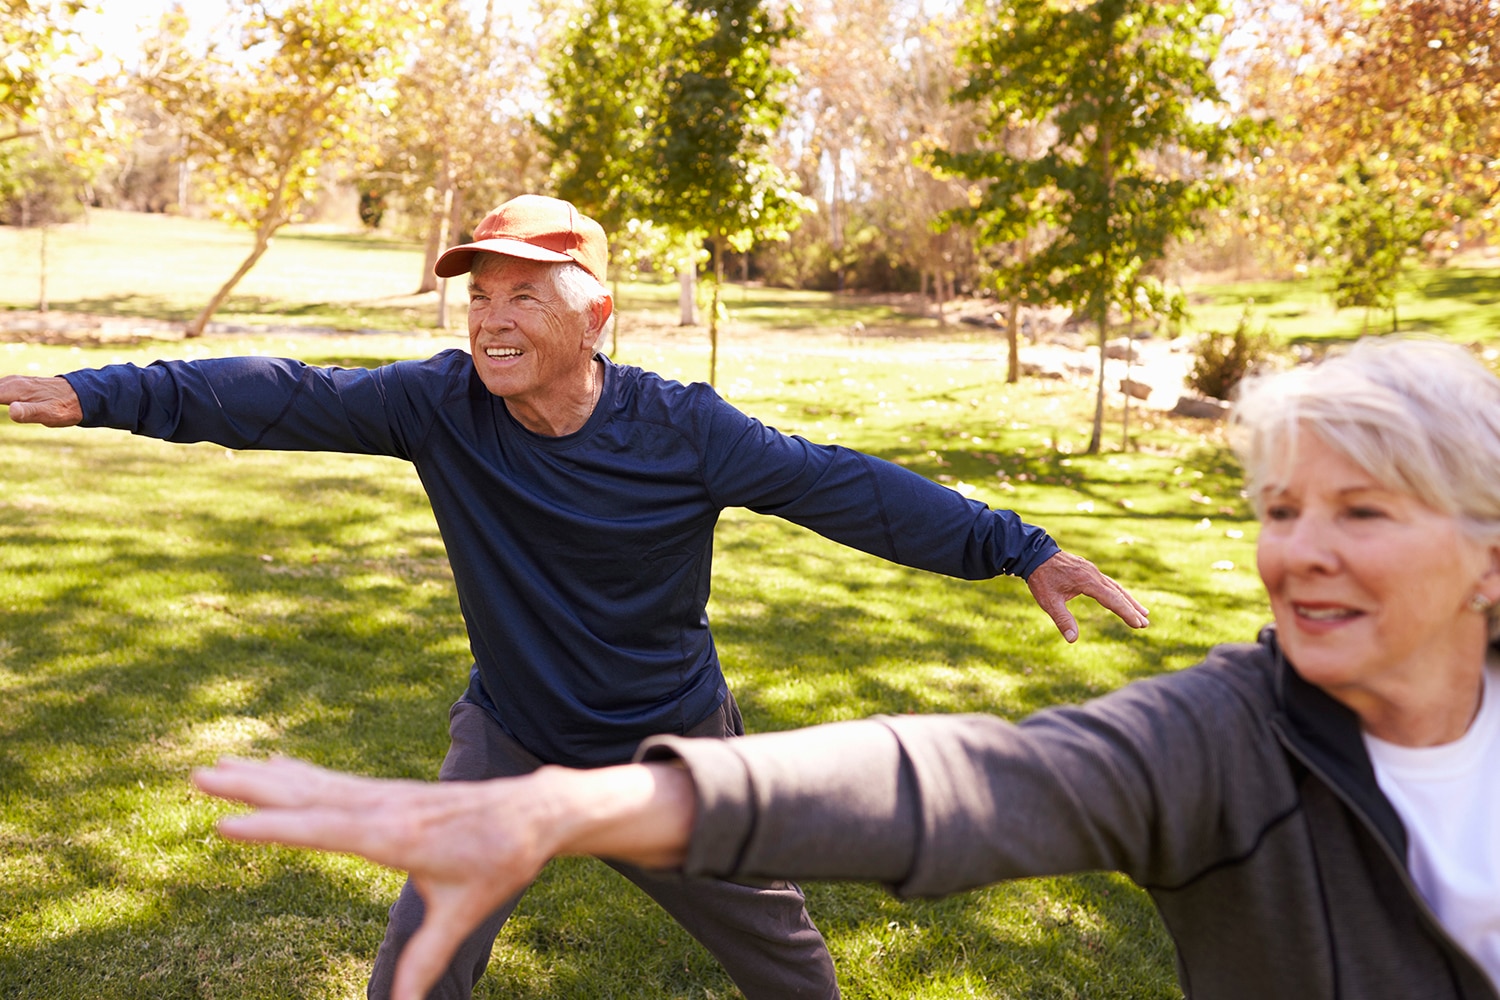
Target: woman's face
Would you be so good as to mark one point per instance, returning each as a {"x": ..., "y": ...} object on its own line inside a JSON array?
[{"x": 1371, "y": 587}]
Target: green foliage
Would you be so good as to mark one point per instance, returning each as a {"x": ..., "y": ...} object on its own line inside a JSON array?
[
  {"x": 57, "y": 121},
  {"x": 664, "y": 110},
  {"x": 1118, "y": 85},
  {"x": 1221, "y": 360},
  {"x": 33, "y": 35},
  {"x": 451, "y": 140},
  {"x": 605, "y": 86},
  {"x": 264, "y": 116},
  {"x": 722, "y": 106},
  {"x": 1370, "y": 235},
  {"x": 266, "y": 119},
  {"x": 38, "y": 187}
]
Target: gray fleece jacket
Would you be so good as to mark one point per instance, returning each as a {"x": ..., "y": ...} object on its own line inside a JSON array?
[{"x": 1238, "y": 795}]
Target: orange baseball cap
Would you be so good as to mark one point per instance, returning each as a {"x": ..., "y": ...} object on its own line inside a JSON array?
[{"x": 536, "y": 228}]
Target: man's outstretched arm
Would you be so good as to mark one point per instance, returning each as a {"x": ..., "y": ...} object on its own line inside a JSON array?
[
  {"x": 48, "y": 401},
  {"x": 468, "y": 848},
  {"x": 1065, "y": 576}
]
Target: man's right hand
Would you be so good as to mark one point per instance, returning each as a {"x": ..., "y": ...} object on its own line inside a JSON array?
[{"x": 48, "y": 401}]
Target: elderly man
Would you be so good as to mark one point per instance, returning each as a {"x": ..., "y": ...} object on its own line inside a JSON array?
[{"x": 577, "y": 499}]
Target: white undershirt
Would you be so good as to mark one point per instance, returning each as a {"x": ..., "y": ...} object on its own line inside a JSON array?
[{"x": 1448, "y": 797}]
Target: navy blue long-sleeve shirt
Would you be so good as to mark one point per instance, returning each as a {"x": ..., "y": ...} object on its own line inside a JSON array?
[{"x": 582, "y": 562}]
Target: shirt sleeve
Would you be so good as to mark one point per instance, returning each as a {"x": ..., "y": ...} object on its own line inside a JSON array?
[
  {"x": 865, "y": 502},
  {"x": 1161, "y": 780},
  {"x": 267, "y": 403}
]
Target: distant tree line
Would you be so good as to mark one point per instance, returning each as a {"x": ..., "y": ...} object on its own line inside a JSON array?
[{"x": 1079, "y": 153}]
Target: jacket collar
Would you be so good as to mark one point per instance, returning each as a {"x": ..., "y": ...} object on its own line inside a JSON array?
[{"x": 1326, "y": 735}]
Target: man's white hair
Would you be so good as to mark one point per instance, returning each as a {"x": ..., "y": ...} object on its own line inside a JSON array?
[
  {"x": 1420, "y": 416},
  {"x": 576, "y": 285}
]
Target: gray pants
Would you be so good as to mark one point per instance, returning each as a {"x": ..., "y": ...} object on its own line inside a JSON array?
[{"x": 762, "y": 935}]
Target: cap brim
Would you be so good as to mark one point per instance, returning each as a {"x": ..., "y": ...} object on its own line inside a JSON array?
[{"x": 458, "y": 260}]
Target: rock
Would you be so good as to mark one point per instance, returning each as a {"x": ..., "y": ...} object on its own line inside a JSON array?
[
  {"x": 1212, "y": 409},
  {"x": 1033, "y": 370},
  {"x": 1134, "y": 389}
]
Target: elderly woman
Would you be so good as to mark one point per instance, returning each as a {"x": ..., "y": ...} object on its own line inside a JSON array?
[{"x": 1314, "y": 813}]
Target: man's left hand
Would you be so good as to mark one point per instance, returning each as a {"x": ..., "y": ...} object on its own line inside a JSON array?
[{"x": 1065, "y": 576}]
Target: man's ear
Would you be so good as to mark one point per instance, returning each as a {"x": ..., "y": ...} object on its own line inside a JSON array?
[{"x": 599, "y": 311}]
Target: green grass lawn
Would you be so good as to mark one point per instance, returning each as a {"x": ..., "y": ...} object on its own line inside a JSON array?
[
  {"x": 1458, "y": 303},
  {"x": 162, "y": 605},
  {"x": 127, "y": 264}
]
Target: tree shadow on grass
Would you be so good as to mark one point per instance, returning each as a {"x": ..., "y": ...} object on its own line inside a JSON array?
[
  {"x": 118, "y": 683},
  {"x": 583, "y": 931},
  {"x": 281, "y": 925},
  {"x": 1474, "y": 287},
  {"x": 166, "y": 653}
]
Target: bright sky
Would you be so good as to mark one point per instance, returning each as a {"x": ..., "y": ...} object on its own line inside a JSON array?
[{"x": 118, "y": 27}]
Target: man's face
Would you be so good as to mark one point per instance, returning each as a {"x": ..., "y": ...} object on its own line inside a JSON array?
[{"x": 529, "y": 346}]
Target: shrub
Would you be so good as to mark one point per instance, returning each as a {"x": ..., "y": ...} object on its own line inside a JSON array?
[{"x": 1223, "y": 359}]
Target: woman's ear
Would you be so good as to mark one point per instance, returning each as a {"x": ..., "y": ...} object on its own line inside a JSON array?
[{"x": 1488, "y": 584}]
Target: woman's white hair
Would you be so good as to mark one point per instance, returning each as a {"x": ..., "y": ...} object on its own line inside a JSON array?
[{"x": 1420, "y": 416}]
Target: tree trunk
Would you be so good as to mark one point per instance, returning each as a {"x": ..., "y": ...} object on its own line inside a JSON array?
[
  {"x": 713, "y": 319},
  {"x": 1107, "y": 276},
  {"x": 429, "y": 276},
  {"x": 428, "y": 281},
  {"x": 687, "y": 276},
  {"x": 1097, "y": 436},
  {"x": 614, "y": 322},
  {"x": 1013, "y": 347},
  {"x": 262, "y": 243},
  {"x": 1129, "y": 370},
  {"x": 41, "y": 300},
  {"x": 437, "y": 234}
]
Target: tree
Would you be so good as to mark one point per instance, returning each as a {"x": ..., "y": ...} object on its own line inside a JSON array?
[
  {"x": 34, "y": 36},
  {"x": 455, "y": 133},
  {"x": 1369, "y": 237},
  {"x": 264, "y": 120},
  {"x": 663, "y": 112},
  {"x": 1130, "y": 160},
  {"x": 57, "y": 122},
  {"x": 1388, "y": 123},
  {"x": 605, "y": 84},
  {"x": 873, "y": 81},
  {"x": 722, "y": 106}
]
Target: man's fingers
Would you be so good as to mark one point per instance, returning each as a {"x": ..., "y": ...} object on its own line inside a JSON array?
[
  {"x": 48, "y": 401},
  {"x": 1066, "y": 623},
  {"x": 1117, "y": 599},
  {"x": 1065, "y": 576},
  {"x": 48, "y": 414}
]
